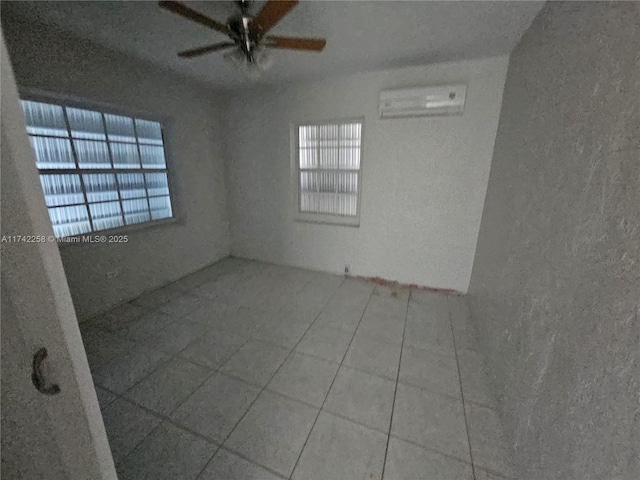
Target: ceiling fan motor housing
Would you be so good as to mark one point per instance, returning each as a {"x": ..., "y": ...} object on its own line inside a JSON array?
[
  {"x": 243, "y": 35},
  {"x": 247, "y": 32}
]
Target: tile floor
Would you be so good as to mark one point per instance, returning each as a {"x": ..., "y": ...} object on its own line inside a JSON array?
[{"x": 247, "y": 370}]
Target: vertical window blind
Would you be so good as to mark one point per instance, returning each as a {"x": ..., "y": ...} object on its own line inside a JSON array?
[
  {"x": 98, "y": 171},
  {"x": 329, "y": 168}
]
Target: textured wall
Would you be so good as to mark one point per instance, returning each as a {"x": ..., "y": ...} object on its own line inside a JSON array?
[
  {"x": 555, "y": 288},
  {"x": 47, "y": 59},
  {"x": 423, "y": 179}
]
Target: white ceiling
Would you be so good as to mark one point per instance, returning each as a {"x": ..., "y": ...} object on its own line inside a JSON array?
[{"x": 361, "y": 35}]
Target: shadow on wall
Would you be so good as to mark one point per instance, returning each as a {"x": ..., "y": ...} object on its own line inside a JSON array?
[{"x": 555, "y": 285}]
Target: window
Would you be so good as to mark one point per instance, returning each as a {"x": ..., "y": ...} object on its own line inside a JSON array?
[
  {"x": 328, "y": 168},
  {"x": 98, "y": 171}
]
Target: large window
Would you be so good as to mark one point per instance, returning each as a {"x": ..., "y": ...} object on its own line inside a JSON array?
[
  {"x": 98, "y": 170},
  {"x": 328, "y": 170}
]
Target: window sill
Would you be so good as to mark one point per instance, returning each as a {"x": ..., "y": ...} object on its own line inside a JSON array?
[
  {"x": 328, "y": 219},
  {"x": 76, "y": 240}
]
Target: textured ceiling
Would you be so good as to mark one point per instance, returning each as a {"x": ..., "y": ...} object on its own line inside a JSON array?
[{"x": 361, "y": 36}]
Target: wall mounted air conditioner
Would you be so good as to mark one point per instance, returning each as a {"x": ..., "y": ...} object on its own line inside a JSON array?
[{"x": 414, "y": 102}]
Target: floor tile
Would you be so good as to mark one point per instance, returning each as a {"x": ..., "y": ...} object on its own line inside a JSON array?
[
  {"x": 304, "y": 378},
  {"x": 242, "y": 294},
  {"x": 362, "y": 397},
  {"x": 148, "y": 324},
  {"x": 105, "y": 397},
  {"x": 319, "y": 291},
  {"x": 340, "y": 449},
  {"x": 206, "y": 320},
  {"x": 216, "y": 406},
  {"x": 207, "y": 314},
  {"x": 227, "y": 466},
  {"x": 304, "y": 305},
  {"x": 281, "y": 330},
  {"x": 392, "y": 290},
  {"x": 273, "y": 432},
  {"x": 211, "y": 289},
  {"x": 124, "y": 372},
  {"x": 344, "y": 301},
  {"x": 256, "y": 362},
  {"x": 155, "y": 298},
  {"x": 209, "y": 351},
  {"x": 431, "y": 306},
  {"x": 168, "y": 453},
  {"x": 236, "y": 324},
  {"x": 426, "y": 369},
  {"x": 432, "y": 301},
  {"x": 374, "y": 357},
  {"x": 431, "y": 333},
  {"x": 387, "y": 306},
  {"x": 101, "y": 347},
  {"x": 175, "y": 337},
  {"x": 383, "y": 328},
  {"x": 353, "y": 294},
  {"x": 488, "y": 444},
  {"x": 341, "y": 318},
  {"x": 430, "y": 420},
  {"x": 463, "y": 328},
  {"x": 187, "y": 283},
  {"x": 325, "y": 343},
  {"x": 271, "y": 300},
  {"x": 126, "y": 425},
  {"x": 301, "y": 312},
  {"x": 355, "y": 287},
  {"x": 406, "y": 461},
  {"x": 474, "y": 379},
  {"x": 168, "y": 386},
  {"x": 118, "y": 318},
  {"x": 182, "y": 305},
  {"x": 482, "y": 474}
]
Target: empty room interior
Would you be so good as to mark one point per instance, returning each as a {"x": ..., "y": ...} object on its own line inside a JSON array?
[{"x": 321, "y": 240}]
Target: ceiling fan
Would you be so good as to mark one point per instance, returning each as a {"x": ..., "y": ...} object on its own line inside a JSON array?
[{"x": 248, "y": 34}]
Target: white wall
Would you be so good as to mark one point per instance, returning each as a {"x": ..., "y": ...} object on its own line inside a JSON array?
[
  {"x": 47, "y": 59},
  {"x": 424, "y": 179}
]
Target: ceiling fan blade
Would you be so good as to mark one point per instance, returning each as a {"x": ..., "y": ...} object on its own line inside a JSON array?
[
  {"x": 292, "y": 43},
  {"x": 272, "y": 12},
  {"x": 195, "y": 52},
  {"x": 186, "y": 12}
]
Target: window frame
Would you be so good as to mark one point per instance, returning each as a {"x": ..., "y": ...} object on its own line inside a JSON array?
[
  {"x": 166, "y": 123},
  {"x": 323, "y": 218}
]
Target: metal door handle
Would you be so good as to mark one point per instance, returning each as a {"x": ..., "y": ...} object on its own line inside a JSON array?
[{"x": 38, "y": 378}]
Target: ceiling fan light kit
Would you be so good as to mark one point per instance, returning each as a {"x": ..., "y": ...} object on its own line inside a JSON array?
[
  {"x": 249, "y": 42},
  {"x": 260, "y": 62}
]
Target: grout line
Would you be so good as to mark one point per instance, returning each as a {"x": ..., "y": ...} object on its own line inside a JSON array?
[
  {"x": 408, "y": 384},
  {"x": 247, "y": 459},
  {"x": 276, "y": 371},
  {"x": 495, "y": 473},
  {"x": 218, "y": 370},
  {"x": 166, "y": 285},
  {"x": 330, "y": 387},
  {"x": 156, "y": 309},
  {"x": 161, "y": 364},
  {"x": 464, "y": 407},
  {"x": 167, "y": 418},
  {"x": 316, "y": 407},
  {"x": 432, "y": 449},
  {"x": 215, "y": 371},
  {"x": 395, "y": 390},
  {"x": 218, "y": 444}
]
